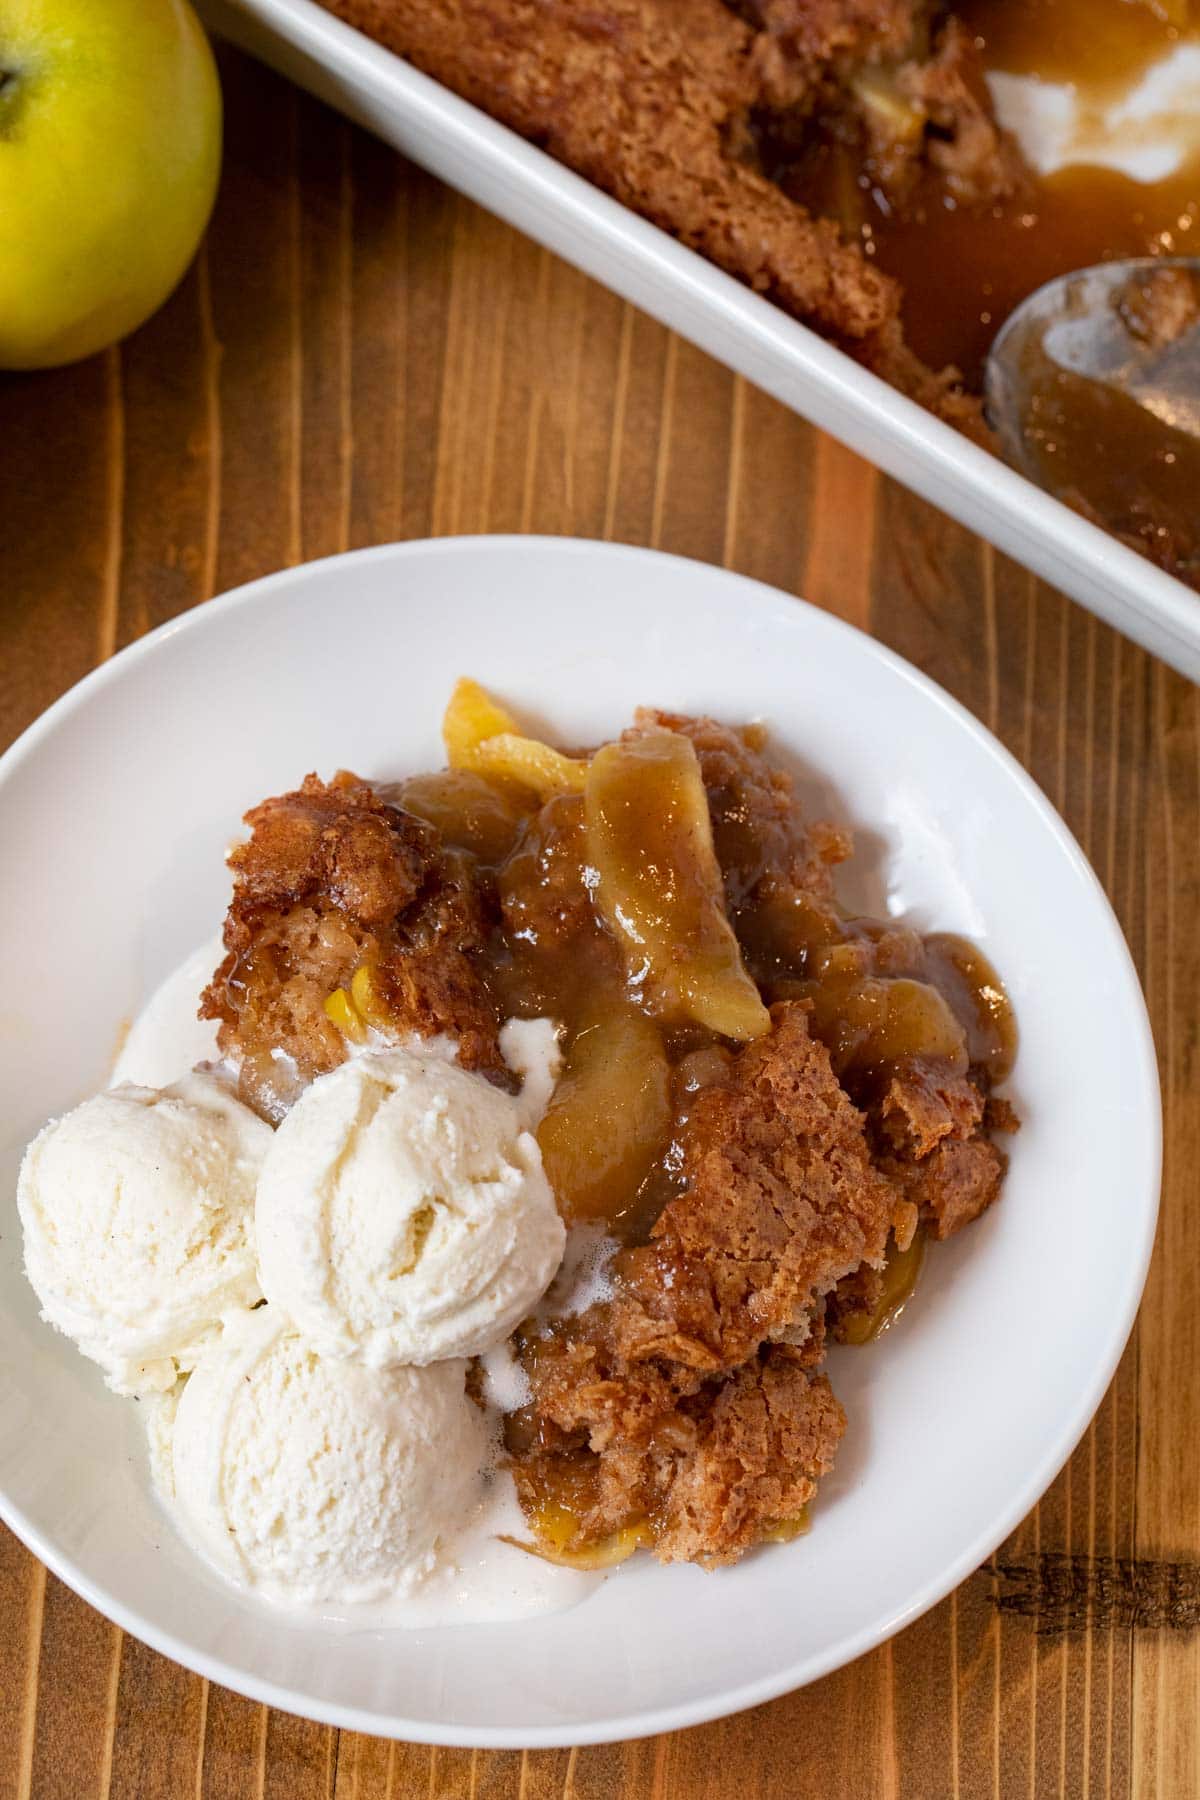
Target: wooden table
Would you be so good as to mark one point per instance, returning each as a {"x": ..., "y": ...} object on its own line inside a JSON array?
[{"x": 357, "y": 356}]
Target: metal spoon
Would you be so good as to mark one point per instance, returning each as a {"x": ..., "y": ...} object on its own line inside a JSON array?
[{"x": 1093, "y": 388}]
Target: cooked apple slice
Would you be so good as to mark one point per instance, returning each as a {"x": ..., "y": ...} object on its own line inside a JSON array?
[
  {"x": 471, "y": 716},
  {"x": 470, "y": 810},
  {"x": 900, "y": 1273},
  {"x": 601, "y": 1553},
  {"x": 658, "y": 883},
  {"x": 868, "y": 1021},
  {"x": 610, "y": 1116},
  {"x": 881, "y": 95},
  {"x": 482, "y": 736},
  {"x": 509, "y": 756}
]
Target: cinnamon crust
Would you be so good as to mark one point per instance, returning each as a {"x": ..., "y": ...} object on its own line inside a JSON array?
[{"x": 332, "y": 879}]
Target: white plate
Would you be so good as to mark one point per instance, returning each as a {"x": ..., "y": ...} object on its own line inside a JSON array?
[
  {"x": 575, "y": 220},
  {"x": 114, "y": 812}
]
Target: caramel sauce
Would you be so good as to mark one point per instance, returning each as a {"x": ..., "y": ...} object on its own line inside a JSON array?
[
  {"x": 976, "y": 995},
  {"x": 471, "y": 812},
  {"x": 880, "y": 995},
  {"x": 964, "y": 269},
  {"x": 640, "y": 1035},
  {"x": 1097, "y": 42}
]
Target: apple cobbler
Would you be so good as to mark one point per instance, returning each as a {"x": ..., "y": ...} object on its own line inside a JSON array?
[
  {"x": 847, "y": 158},
  {"x": 766, "y": 1106},
  {"x": 897, "y": 174}
]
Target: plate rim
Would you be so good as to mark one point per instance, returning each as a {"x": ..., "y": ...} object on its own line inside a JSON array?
[{"x": 1143, "y": 1066}]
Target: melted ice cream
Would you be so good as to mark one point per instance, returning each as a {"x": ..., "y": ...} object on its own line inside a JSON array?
[{"x": 1147, "y": 130}]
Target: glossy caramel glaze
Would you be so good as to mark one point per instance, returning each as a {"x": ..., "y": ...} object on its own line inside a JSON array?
[
  {"x": 883, "y": 998},
  {"x": 964, "y": 268}
]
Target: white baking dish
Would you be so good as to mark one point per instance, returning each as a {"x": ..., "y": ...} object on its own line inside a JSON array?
[{"x": 533, "y": 192}]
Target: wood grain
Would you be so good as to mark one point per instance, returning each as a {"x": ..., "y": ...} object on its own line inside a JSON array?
[{"x": 359, "y": 355}]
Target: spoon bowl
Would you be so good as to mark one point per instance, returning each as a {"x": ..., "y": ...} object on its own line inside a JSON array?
[{"x": 1093, "y": 388}]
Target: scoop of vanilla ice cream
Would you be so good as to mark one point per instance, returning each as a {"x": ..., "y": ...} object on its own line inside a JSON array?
[
  {"x": 315, "y": 1479},
  {"x": 138, "y": 1213},
  {"x": 403, "y": 1214}
]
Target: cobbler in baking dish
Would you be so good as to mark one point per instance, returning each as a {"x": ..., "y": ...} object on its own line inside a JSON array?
[{"x": 898, "y": 174}]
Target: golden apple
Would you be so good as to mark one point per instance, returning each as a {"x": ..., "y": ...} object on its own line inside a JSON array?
[{"x": 110, "y": 149}]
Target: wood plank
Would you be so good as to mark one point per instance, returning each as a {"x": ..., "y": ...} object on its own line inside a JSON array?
[
  {"x": 256, "y": 310},
  {"x": 364, "y": 1767},
  {"x": 22, "y": 1602},
  {"x": 74, "y": 1730},
  {"x": 170, "y": 449},
  {"x": 59, "y": 472},
  {"x": 231, "y": 1762},
  {"x": 158, "y": 1729},
  {"x": 842, "y": 538},
  {"x": 300, "y": 1759},
  {"x": 771, "y": 518},
  {"x": 1166, "y": 1746}
]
